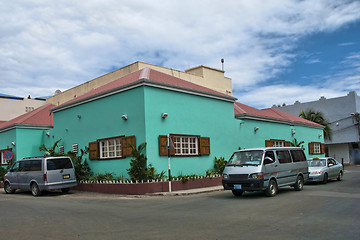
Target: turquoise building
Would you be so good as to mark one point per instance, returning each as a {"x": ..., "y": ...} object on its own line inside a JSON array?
[{"x": 147, "y": 106}]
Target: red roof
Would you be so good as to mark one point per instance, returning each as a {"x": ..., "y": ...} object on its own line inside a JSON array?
[
  {"x": 271, "y": 114},
  {"x": 146, "y": 76},
  {"x": 39, "y": 117}
]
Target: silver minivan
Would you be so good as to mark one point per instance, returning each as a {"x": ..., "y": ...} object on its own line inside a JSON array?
[
  {"x": 39, "y": 174},
  {"x": 265, "y": 169}
]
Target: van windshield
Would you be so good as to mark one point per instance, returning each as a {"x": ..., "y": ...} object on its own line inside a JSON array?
[
  {"x": 246, "y": 158},
  {"x": 58, "y": 163}
]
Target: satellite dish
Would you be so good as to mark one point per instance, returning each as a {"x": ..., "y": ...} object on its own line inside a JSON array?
[{"x": 57, "y": 92}]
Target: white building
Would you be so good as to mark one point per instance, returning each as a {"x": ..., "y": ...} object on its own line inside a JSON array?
[
  {"x": 343, "y": 115},
  {"x": 12, "y": 107}
]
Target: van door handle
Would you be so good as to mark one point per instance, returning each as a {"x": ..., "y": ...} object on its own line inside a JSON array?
[{"x": 275, "y": 165}]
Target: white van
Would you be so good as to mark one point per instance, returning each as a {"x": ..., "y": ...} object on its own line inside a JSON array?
[
  {"x": 265, "y": 169},
  {"x": 39, "y": 174}
]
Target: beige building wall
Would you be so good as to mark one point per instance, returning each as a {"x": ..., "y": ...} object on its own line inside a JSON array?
[
  {"x": 202, "y": 75},
  {"x": 13, "y": 107}
]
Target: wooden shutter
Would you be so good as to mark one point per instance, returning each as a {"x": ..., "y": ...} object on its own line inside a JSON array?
[
  {"x": 204, "y": 145},
  {"x": 287, "y": 144},
  {"x": 162, "y": 144},
  {"x": 311, "y": 148},
  {"x": 126, "y": 143},
  {"x": 269, "y": 143},
  {"x": 93, "y": 150},
  {"x": 322, "y": 148}
]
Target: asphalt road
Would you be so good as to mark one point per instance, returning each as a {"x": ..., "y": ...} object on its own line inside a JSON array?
[{"x": 330, "y": 211}]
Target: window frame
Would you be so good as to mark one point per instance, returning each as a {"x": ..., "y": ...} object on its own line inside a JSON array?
[
  {"x": 125, "y": 148},
  {"x": 202, "y": 144},
  {"x": 188, "y": 144},
  {"x": 271, "y": 143},
  {"x": 114, "y": 151}
]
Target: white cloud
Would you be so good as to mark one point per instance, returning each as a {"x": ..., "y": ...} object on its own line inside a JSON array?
[{"x": 49, "y": 45}]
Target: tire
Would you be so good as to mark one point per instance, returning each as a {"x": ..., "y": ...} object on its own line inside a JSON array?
[
  {"x": 325, "y": 180},
  {"x": 271, "y": 190},
  {"x": 298, "y": 186},
  {"x": 65, "y": 190},
  {"x": 35, "y": 190},
  {"x": 340, "y": 176},
  {"x": 237, "y": 193},
  {"x": 8, "y": 189}
]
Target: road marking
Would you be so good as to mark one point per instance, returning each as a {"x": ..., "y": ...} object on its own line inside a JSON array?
[{"x": 334, "y": 194}]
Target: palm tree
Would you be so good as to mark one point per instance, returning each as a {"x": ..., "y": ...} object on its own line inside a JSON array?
[
  {"x": 319, "y": 118},
  {"x": 295, "y": 143}
]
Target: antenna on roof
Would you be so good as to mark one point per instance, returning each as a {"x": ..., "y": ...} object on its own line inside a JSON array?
[{"x": 222, "y": 64}]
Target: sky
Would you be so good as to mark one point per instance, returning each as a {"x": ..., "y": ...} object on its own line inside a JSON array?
[{"x": 275, "y": 51}]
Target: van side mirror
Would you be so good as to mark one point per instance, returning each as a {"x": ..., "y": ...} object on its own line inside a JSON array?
[{"x": 268, "y": 160}]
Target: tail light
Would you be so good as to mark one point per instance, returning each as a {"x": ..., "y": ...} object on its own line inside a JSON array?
[{"x": 45, "y": 177}]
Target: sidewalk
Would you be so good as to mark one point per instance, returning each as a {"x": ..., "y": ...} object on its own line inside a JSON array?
[{"x": 188, "y": 192}]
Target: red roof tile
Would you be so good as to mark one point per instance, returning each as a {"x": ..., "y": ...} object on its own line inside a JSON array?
[
  {"x": 142, "y": 77},
  {"x": 271, "y": 113},
  {"x": 39, "y": 117}
]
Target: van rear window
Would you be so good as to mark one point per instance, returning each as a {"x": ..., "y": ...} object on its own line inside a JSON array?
[{"x": 58, "y": 163}]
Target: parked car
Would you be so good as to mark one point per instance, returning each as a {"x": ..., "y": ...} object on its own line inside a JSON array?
[
  {"x": 39, "y": 174},
  {"x": 323, "y": 169},
  {"x": 265, "y": 169}
]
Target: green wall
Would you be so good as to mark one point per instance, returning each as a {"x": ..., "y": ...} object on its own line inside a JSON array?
[
  {"x": 248, "y": 138},
  {"x": 27, "y": 141},
  {"x": 192, "y": 115},
  {"x": 102, "y": 119}
]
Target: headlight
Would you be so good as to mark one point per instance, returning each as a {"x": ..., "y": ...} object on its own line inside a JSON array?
[
  {"x": 225, "y": 176},
  {"x": 256, "y": 175}
]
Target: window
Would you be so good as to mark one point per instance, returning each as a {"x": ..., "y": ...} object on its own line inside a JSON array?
[
  {"x": 283, "y": 156},
  {"x": 298, "y": 156},
  {"x": 277, "y": 143},
  {"x": 184, "y": 145},
  {"x": 316, "y": 148},
  {"x": 61, "y": 149},
  {"x": 58, "y": 163},
  {"x": 29, "y": 109},
  {"x": 111, "y": 148},
  {"x": 75, "y": 148}
]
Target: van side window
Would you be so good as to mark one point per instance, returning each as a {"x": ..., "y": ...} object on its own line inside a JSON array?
[
  {"x": 270, "y": 154},
  {"x": 15, "y": 168},
  {"x": 35, "y": 165},
  {"x": 24, "y": 166},
  {"x": 283, "y": 156},
  {"x": 298, "y": 156}
]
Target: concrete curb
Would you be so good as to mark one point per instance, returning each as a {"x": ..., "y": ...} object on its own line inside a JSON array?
[{"x": 188, "y": 192}]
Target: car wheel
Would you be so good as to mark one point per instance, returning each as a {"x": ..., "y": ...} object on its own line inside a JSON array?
[
  {"x": 8, "y": 189},
  {"x": 271, "y": 190},
  {"x": 65, "y": 190},
  {"x": 35, "y": 190},
  {"x": 340, "y": 176},
  {"x": 299, "y": 183},
  {"x": 325, "y": 180},
  {"x": 237, "y": 193}
]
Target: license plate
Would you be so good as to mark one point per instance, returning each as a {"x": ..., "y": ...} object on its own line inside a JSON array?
[
  {"x": 66, "y": 176},
  {"x": 237, "y": 186}
]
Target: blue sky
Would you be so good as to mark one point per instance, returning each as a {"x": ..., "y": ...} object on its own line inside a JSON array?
[{"x": 275, "y": 51}]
